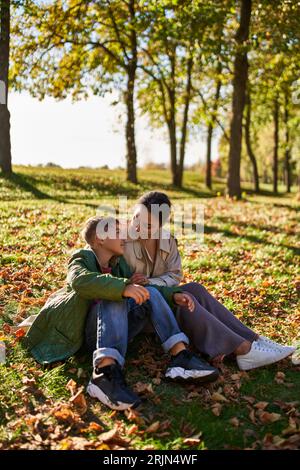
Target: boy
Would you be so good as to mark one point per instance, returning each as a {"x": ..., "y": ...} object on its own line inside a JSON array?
[{"x": 99, "y": 282}]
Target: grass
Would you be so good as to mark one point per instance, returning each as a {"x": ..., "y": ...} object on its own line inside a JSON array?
[{"x": 250, "y": 262}]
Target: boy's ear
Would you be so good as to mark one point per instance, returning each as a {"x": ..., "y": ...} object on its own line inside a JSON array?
[{"x": 98, "y": 241}]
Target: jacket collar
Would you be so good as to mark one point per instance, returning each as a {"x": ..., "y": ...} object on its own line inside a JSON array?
[
  {"x": 113, "y": 262},
  {"x": 164, "y": 244}
]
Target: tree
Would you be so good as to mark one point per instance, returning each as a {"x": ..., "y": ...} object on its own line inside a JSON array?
[
  {"x": 238, "y": 100},
  {"x": 276, "y": 142},
  {"x": 177, "y": 36},
  {"x": 248, "y": 140},
  {"x": 165, "y": 88},
  {"x": 80, "y": 46},
  {"x": 274, "y": 69},
  {"x": 5, "y": 146}
]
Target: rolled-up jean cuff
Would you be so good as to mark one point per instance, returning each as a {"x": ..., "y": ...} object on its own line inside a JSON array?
[
  {"x": 101, "y": 353},
  {"x": 179, "y": 337}
]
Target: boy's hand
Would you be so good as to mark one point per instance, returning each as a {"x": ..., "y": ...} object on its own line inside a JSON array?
[
  {"x": 184, "y": 300},
  {"x": 136, "y": 292},
  {"x": 140, "y": 279}
]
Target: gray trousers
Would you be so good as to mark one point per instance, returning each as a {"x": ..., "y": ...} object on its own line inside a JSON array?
[{"x": 211, "y": 327}]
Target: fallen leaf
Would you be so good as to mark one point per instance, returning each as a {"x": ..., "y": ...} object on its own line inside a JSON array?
[
  {"x": 267, "y": 418},
  {"x": 65, "y": 444},
  {"x": 279, "y": 377},
  {"x": 28, "y": 381},
  {"x": 156, "y": 381},
  {"x": 132, "y": 430},
  {"x": 143, "y": 388},
  {"x": 103, "y": 447},
  {"x": 64, "y": 414},
  {"x": 216, "y": 396},
  {"x": 261, "y": 405},
  {"x": 216, "y": 409},
  {"x": 235, "y": 376},
  {"x": 79, "y": 401},
  {"x": 248, "y": 399},
  {"x": 235, "y": 422},
  {"x": 190, "y": 441},
  {"x": 133, "y": 415},
  {"x": 109, "y": 435},
  {"x": 71, "y": 386},
  {"x": 154, "y": 427},
  {"x": 20, "y": 333},
  {"x": 93, "y": 427},
  {"x": 252, "y": 416}
]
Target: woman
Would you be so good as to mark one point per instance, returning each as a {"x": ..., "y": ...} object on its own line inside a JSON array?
[{"x": 212, "y": 328}]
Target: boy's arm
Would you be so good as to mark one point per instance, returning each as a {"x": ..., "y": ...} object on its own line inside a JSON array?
[{"x": 93, "y": 285}]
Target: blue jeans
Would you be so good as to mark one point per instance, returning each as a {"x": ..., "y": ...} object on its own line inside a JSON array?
[{"x": 116, "y": 323}]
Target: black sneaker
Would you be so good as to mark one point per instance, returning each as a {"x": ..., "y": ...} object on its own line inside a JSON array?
[
  {"x": 187, "y": 367},
  {"x": 109, "y": 386}
]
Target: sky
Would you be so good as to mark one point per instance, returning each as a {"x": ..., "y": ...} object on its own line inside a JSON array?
[{"x": 85, "y": 133}]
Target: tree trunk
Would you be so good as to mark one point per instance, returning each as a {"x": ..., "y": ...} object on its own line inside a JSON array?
[
  {"x": 130, "y": 128},
  {"x": 248, "y": 141},
  {"x": 179, "y": 175},
  {"x": 276, "y": 144},
  {"x": 5, "y": 145},
  {"x": 208, "y": 155},
  {"x": 287, "y": 155},
  {"x": 171, "y": 91},
  {"x": 211, "y": 129},
  {"x": 129, "y": 98},
  {"x": 173, "y": 149},
  {"x": 238, "y": 101}
]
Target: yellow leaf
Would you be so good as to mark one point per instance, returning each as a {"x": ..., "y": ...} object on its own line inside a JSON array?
[{"x": 219, "y": 397}]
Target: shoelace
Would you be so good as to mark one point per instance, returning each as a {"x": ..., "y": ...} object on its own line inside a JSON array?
[
  {"x": 186, "y": 353},
  {"x": 115, "y": 374},
  {"x": 258, "y": 347}
]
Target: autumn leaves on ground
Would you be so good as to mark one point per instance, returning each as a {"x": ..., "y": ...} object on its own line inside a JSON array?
[{"x": 250, "y": 262}]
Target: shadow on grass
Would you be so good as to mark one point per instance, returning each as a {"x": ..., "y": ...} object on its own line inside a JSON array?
[
  {"x": 268, "y": 228},
  {"x": 251, "y": 238},
  {"x": 108, "y": 187}
]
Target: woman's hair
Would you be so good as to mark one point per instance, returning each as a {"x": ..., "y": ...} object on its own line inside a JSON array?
[
  {"x": 154, "y": 197},
  {"x": 90, "y": 227},
  {"x": 159, "y": 199}
]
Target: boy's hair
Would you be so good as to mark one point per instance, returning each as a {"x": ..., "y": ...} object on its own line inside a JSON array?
[
  {"x": 159, "y": 199},
  {"x": 90, "y": 227}
]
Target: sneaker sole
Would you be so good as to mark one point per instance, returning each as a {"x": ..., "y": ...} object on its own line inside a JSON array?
[
  {"x": 184, "y": 375},
  {"x": 282, "y": 356},
  {"x": 95, "y": 392}
]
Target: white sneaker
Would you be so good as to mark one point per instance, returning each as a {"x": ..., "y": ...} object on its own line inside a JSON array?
[
  {"x": 260, "y": 355},
  {"x": 263, "y": 340}
]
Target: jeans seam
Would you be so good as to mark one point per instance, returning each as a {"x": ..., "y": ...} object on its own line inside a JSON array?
[{"x": 99, "y": 324}]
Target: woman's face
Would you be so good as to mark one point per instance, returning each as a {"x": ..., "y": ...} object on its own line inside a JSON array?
[{"x": 145, "y": 224}]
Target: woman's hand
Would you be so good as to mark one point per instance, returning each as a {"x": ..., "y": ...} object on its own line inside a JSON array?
[
  {"x": 140, "y": 279},
  {"x": 184, "y": 300},
  {"x": 136, "y": 292}
]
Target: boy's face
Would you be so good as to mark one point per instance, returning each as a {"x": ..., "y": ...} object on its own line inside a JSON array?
[{"x": 113, "y": 245}]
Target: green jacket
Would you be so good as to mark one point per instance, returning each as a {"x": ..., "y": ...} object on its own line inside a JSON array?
[{"x": 58, "y": 331}]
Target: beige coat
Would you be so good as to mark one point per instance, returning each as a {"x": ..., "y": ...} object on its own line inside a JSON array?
[{"x": 166, "y": 270}]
